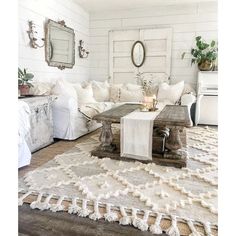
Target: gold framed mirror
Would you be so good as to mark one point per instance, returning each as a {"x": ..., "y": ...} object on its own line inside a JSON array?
[
  {"x": 138, "y": 54},
  {"x": 59, "y": 45}
]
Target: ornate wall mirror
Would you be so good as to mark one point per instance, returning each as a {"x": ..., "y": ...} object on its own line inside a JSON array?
[
  {"x": 59, "y": 45},
  {"x": 138, "y": 54}
]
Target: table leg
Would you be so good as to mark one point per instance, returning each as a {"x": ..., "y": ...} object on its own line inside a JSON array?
[
  {"x": 174, "y": 144},
  {"x": 106, "y": 137}
]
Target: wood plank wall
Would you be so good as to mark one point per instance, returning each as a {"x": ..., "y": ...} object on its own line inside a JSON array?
[
  {"x": 187, "y": 21},
  {"x": 34, "y": 59}
]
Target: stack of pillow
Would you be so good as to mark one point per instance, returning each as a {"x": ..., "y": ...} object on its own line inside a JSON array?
[{"x": 95, "y": 91}]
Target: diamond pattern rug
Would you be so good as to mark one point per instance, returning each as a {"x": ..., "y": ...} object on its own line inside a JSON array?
[{"x": 131, "y": 192}]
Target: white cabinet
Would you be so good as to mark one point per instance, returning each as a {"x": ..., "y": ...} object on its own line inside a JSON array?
[
  {"x": 41, "y": 124},
  {"x": 207, "y": 98}
]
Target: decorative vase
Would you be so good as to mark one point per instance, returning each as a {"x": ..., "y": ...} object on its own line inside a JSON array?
[
  {"x": 24, "y": 90},
  {"x": 205, "y": 66}
]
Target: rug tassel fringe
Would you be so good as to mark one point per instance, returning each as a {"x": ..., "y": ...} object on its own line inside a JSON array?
[
  {"x": 173, "y": 230},
  {"x": 193, "y": 229},
  {"x": 36, "y": 204},
  {"x": 156, "y": 228},
  {"x": 125, "y": 219},
  {"x": 141, "y": 223},
  {"x": 96, "y": 214},
  {"x": 45, "y": 205},
  {"x": 109, "y": 215},
  {"x": 207, "y": 228},
  {"x": 83, "y": 212},
  {"x": 58, "y": 206},
  {"x": 21, "y": 199},
  {"x": 73, "y": 208}
]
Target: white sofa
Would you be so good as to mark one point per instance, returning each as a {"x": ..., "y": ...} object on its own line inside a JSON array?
[{"x": 70, "y": 119}]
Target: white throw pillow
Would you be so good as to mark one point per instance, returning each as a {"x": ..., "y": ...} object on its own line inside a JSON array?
[
  {"x": 115, "y": 92},
  {"x": 131, "y": 96},
  {"x": 64, "y": 88},
  {"x": 101, "y": 91},
  {"x": 133, "y": 87},
  {"x": 171, "y": 93},
  {"x": 84, "y": 95}
]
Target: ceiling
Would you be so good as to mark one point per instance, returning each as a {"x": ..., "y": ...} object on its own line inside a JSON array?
[{"x": 106, "y": 5}]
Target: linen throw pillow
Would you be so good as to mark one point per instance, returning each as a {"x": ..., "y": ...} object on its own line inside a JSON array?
[
  {"x": 64, "y": 88},
  {"x": 131, "y": 96},
  {"x": 170, "y": 93},
  {"x": 101, "y": 91},
  {"x": 115, "y": 92},
  {"x": 133, "y": 87},
  {"x": 84, "y": 95}
]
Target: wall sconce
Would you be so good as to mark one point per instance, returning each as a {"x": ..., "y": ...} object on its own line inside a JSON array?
[
  {"x": 82, "y": 52},
  {"x": 32, "y": 36}
]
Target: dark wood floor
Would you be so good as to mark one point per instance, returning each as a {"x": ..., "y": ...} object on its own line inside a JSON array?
[{"x": 47, "y": 223}]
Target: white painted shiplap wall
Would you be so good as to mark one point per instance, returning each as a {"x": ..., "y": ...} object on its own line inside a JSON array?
[
  {"x": 34, "y": 59},
  {"x": 187, "y": 22}
]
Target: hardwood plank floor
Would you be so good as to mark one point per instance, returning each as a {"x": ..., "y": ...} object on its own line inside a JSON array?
[{"x": 47, "y": 223}]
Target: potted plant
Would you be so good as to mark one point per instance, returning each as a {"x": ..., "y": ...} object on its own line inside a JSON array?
[
  {"x": 24, "y": 79},
  {"x": 204, "y": 54}
]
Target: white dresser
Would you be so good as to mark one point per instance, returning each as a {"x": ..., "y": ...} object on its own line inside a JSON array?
[{"x": 207, "y": 98}]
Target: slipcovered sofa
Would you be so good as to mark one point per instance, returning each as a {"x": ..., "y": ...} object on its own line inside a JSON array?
[{"x": 77, "y": 103}]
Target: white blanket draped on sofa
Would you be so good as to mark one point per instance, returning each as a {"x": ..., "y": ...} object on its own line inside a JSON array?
[
  {"x": 136, "y": 135},
  {"x": 24, "y": 154}
]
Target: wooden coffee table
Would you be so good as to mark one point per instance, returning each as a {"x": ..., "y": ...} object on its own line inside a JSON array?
[{"x": 170, "y": 124}]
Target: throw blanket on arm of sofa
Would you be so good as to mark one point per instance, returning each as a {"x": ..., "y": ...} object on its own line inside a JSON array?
[{"x": 89, "y": 110}]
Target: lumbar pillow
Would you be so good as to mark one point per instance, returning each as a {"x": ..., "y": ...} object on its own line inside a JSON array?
[
  {"x": 131, "y": 96},
  {"x": 101, "y": 91},
  {"x": 171, "y": 93},
  {"x": 133, "y": 87},
  {"x": 84, "y": 95},
  {"x": 64, "y": 88}
]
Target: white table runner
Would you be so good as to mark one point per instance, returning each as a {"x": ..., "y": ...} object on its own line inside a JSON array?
[{"x": 136, "y": 135}]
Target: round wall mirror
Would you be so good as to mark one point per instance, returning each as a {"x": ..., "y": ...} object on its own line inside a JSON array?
[{"x": 138, "y": 54}]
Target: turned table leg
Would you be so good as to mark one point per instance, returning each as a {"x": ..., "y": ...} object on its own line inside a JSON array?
[
  {"x": 174, "y": 144},
  {"x": 106, "y": 137}
]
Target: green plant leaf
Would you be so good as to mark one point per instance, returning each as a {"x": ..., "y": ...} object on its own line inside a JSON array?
[
  {"x": 193, "y": 61},
  {"x": 29, "y": 76},
  {"x": 213, "y": 43},
  {"x": 20, "y": 72},
  {"x": 198, "y": 38}
]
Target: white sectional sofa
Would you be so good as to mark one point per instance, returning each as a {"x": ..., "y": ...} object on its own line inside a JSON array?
[{"x": 77, "y": 103}]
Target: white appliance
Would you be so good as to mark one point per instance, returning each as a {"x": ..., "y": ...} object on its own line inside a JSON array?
[{"x": 207, "y": 98}]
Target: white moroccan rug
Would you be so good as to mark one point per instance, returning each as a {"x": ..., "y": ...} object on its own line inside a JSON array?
[{"x": 131, "y": 192}]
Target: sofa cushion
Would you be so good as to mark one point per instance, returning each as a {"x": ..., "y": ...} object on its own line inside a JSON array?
[
  {"x": 84, "y": 95},
  {"x": 171, "y": 93},
  {"x": 131, "y": 96},
  {"x": 101, "y": 91},
  {"x": 64, "y": 88}
]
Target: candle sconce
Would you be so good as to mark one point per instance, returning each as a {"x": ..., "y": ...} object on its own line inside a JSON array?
[
  {"x": 32, "y": 36},
  {"x": 82, "y": 52}
]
